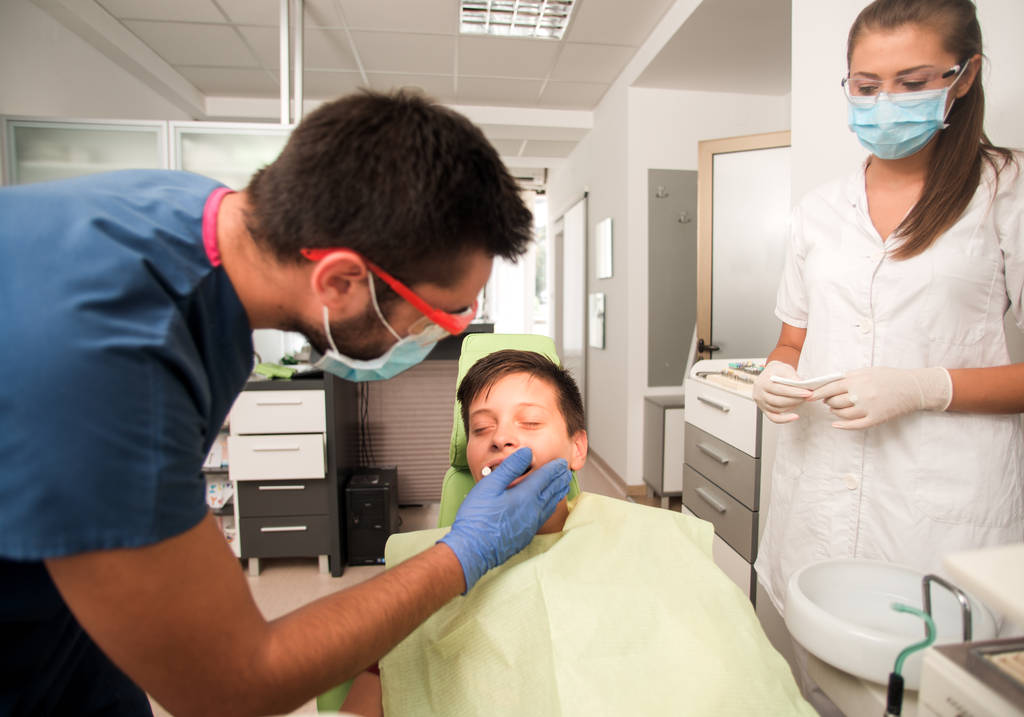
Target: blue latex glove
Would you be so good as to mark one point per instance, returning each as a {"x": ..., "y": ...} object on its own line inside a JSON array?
[{"x": 496, "y": 522}]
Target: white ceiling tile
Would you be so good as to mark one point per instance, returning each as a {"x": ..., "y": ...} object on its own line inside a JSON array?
[
  {"x": 247, "y": 12},
  {"x": 328, "y": 50},
  {"x": 591, "y": 63},
  {"x": 323, "y": 85},
  {"x": 572, "y": 95},
  {"x": 615, "y": 22},
  {"x": 507, "y": 147},
  {"x": 506, "y": 57},
  {"x": 492, "y": 91},
  {"x": 430, "y": 16},
  {"x": 189, "y": 44},
  {"x": 437, "y": 87},
  {"x": 264, "y": 42},
  {"x": 231, "y": 81},
  {"x": 181, "y": 10},
  {"x": 322, "y": 13},
  {"x": 545, "y": 148},
  {"x": 407, "y": 53},
  {"x": 321, "y": 49},
  {"x": 318, "y": 13},
  {"x": 561, "y": 134}
]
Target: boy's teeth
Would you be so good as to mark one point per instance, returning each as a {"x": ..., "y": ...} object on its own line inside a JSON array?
[{"x": 486, "y": 471}]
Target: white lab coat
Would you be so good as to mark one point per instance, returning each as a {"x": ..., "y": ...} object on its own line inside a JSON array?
[{"x": 920, "y": 486}]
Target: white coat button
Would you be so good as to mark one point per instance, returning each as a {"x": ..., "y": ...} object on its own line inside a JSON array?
[
  {"x": 865, "y": 325},
  {"x": 851, "y": 481}
]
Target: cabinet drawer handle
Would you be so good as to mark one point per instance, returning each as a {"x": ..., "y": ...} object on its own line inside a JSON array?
[
  {"x": 280, "y": 402},
  {"x": 283, "y": 529},
  {"x": 281, "y": 487},
  {"x": 714, "y": 404},
  {"x": 710, "y": 499},
  {"x": 712, "y": 453},
  {"x": 274, "y": 449}
]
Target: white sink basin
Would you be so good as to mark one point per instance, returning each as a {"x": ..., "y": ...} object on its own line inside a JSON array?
[{"x": 839, "y": 610}]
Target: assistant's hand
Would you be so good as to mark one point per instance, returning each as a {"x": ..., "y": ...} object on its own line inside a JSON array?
[
  {"x": 496, "y": 522},
  {"x": 869, "y": 396},
  {"x": 775, "y": 399}
]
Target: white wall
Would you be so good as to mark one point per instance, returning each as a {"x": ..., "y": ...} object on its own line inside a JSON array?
[
  {"x": 598, "y": 165},
  {"x": 823, "y": 147},
  {"x": 665, "y": 127},
  {"x": 47, "y": 70},
  {"x": 636, "y": 129}
]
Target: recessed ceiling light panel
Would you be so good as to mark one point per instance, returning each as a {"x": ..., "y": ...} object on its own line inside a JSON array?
[{"x": 516, "y": 18}]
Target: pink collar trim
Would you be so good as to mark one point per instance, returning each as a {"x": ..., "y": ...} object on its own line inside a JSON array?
[{"x": 210, "y": 223}]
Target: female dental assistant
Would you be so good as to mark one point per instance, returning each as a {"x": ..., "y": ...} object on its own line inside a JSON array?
[{"x": 898, "y": 277}]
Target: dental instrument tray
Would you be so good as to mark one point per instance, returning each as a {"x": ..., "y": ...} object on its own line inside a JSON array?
[{"x": 737, "y": 375}]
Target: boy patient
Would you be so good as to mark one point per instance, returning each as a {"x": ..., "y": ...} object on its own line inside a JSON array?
[{"x": 614, "y": 608}]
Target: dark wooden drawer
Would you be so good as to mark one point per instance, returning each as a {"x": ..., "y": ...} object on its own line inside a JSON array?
[
  {"x": 734, "y": 522},
  {"x": 285, "y": 536},
  {"x": 281, "y": 497},
  {"x": 726, "y": 466}
]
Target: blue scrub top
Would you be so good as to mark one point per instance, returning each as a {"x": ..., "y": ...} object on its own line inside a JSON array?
[{"x": 122, "y": 349}]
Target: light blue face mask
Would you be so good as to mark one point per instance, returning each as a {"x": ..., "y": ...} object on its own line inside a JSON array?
[
  {"x": 404, "y": 354},
  {"x": 898, "y": 125}
]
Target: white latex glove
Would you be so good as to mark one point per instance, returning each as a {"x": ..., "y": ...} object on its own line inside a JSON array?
[
  {"x": 869, "y": 396},
  {"x": 775, "y": 399}
]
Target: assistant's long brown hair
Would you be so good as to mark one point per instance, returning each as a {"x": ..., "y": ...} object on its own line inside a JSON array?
[{"x": 956, "y": 164}]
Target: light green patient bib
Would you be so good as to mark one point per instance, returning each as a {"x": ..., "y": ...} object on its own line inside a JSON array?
[{"x": 621, "y": 613}]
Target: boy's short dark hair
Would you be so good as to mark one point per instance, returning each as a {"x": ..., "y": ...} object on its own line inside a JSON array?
[
  {"x": 493, "y": 367},
  {"x": 407, "y": 183}
]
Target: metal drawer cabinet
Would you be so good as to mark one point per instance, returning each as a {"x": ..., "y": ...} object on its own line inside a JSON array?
[
  {"x": 726, "y": 466},
  {"x": 285, "y": 536},
  {"x": 733, "y": 521},
  {"x": 278, "y": 461},
  {"x": 283, "y": 497}
]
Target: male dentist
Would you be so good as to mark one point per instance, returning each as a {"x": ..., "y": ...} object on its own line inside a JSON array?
[{"x": 129, "y": 303}]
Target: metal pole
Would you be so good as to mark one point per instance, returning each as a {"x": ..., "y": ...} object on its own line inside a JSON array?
[
  {"x": 299, "y": 18},
  {"x": 285, "y": 66}
]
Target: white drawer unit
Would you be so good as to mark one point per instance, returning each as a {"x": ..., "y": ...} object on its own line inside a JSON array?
[
  {"x": 729, "y": 416},
  {"x": 285, "y": 456},
  {"x": 282, "y": 411},
  {"x": 278, "y": 460},
  {"x": 726, "y": 459}
]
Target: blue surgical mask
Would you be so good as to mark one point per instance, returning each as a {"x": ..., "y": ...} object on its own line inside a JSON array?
[
  {"x": 404, "y": 354},
  {"x": 899, "y": 125}
]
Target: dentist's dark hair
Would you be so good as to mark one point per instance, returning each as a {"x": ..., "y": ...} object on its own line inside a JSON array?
[
  {"x": 496, "y": 366},
  {"x": 407, "y": 183},
  {"x": 955, "y": 168}
]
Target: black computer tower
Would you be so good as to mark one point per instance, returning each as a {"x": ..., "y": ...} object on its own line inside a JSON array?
[{"x": 371, "y": 500}]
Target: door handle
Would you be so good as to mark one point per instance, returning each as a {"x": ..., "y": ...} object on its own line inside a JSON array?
[
  {"x": 272, "y": 449},
  {"x": 710, "y": 499},
  {"x": 296, "y": 402},
  {"x": 283, "y": 529},
  {"x": 712, "y": 453},
  {"x": 709, "y": 348},
  {"x": 282, "y": 487},
  {"x": 714, "y": 404}
]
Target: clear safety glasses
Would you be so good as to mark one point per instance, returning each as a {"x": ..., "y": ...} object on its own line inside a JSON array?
[
  {"x": 434, "y": 325},
  {"x": 864, "y": 90}
]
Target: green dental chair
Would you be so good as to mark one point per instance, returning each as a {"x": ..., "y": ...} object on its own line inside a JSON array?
[{"x": 458, "y": 481}]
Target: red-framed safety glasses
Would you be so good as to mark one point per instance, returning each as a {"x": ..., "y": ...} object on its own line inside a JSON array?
[{"x": 451, "y": 323}]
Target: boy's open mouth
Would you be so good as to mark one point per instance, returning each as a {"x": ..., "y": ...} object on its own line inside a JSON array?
[{"x": 486, "y": 471}]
